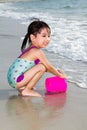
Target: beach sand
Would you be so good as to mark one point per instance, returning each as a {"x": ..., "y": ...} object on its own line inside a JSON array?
[{"x": 64, "y": 111}]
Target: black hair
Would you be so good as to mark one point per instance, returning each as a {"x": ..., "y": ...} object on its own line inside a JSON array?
[{"x": 34, "y": 28}]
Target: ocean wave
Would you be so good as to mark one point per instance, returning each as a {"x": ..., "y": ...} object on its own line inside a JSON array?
[
  {"x": 69, "y": 39},
  {"x": 67, "y": 7}
]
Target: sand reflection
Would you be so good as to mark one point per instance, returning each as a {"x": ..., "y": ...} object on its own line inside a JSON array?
[{"x": 35, "y": 113}]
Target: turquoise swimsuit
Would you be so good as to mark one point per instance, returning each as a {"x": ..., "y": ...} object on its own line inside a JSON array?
[{"x": 18, "y": 68}]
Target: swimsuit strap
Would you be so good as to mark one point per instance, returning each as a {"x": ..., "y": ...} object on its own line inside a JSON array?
[{"x": 26, "y": 50}]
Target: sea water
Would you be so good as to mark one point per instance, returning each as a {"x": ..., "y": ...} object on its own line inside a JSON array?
[{"x": 67, "y": 19}]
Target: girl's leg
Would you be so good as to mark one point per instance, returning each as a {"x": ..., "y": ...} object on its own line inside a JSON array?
[
  {"x": 29, "y": 87},
  {"x": 31, "y": 77}
]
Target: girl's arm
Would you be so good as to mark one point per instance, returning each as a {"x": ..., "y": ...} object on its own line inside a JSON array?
[{"x": 40, "y": 55}]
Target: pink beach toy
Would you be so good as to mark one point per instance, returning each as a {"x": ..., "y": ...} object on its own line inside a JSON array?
[{"x": 56, "y": 84}]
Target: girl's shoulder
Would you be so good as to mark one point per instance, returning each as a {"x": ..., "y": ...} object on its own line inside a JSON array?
[{"x": 35, "y": 49}]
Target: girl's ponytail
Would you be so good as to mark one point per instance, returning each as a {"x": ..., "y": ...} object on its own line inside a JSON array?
[{"x": 24, "y": 42}]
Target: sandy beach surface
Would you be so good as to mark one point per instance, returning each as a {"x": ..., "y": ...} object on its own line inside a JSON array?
[{"x": 64, "y": 111}]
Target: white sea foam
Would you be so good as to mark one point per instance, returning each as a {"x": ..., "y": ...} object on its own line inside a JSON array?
[{"x": 69, "y": 39}]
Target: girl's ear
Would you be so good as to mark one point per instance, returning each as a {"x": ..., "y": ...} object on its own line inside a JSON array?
[{"x": 32, "y": 37}]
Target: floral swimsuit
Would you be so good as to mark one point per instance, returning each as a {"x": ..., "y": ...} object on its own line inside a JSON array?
[{"x": 19, "y": 67}]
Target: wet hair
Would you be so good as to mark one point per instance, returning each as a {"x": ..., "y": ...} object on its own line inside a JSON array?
[{"x": 34, "y": 28}]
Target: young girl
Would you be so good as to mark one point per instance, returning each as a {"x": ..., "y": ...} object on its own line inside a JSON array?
[{"x": 29, "y": 67}]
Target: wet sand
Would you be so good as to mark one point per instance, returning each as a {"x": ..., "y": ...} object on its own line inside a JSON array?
[{"x": 64, "y": 111}]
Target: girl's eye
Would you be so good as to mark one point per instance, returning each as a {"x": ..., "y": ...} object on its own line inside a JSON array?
[{"x": 44, "y": 36}]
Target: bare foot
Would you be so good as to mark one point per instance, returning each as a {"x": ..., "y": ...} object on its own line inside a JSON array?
[
  {"x": 20, "y": 90},
  {"x": 30, "y": 93}
]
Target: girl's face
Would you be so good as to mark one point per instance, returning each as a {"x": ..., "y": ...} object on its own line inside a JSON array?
[{"x": 42, "y": 39}]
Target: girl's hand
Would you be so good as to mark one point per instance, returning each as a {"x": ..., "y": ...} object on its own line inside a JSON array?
[{"x": 62, "y": 74}]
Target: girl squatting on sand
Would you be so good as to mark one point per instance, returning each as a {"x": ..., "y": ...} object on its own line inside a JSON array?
[{"x": 29, "y": 67}]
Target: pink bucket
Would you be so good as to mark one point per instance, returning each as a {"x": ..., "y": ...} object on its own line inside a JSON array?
[{"x": 56, "y": 84}]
